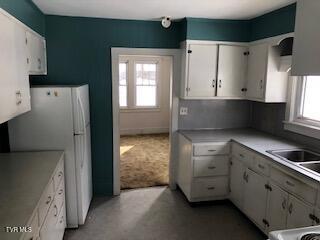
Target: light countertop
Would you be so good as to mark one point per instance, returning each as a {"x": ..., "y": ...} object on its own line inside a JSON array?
[
  {"x": 23, "y": 178},
  {"x": 257, "y": 141}
]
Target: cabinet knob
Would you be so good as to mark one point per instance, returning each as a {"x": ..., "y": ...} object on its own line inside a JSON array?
[{"x": 290, "y": 208}]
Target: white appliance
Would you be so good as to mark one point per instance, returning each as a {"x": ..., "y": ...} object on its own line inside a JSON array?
[
  {"x": 60, "y": 120},
  {"x": 306, "y": 233}
]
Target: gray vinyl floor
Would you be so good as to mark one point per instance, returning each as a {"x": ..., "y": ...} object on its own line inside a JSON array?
[{"x": 158, "y": 213}]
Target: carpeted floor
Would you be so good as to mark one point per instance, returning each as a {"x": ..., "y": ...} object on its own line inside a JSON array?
[{"x": 144, "y": 160}]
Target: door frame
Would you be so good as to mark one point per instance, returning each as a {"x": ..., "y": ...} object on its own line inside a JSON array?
[{"x": 175, "y": 54}]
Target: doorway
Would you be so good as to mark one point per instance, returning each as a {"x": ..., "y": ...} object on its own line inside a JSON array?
[{"x": 126, "y": 102}]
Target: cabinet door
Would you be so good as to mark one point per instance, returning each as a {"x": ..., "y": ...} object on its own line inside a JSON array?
[
  {"x": 202, "y": 70},
  {"x": 232, "y": 71},
  {"x": 22, "y": 90},
  {"x": 257, "y": 65},
  {"x": 277, "y": 208},
  {"x": 8, "y": 105},
  {"x": 36, "y": 50},
  {"x": 298, "y": 213},
  {"x": 255, "y": 198},
  {"x": 237, "y": 171}
]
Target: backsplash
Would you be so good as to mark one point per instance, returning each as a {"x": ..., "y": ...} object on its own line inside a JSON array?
[
  {"x": 269, "y": 118},
  {"x": 4, "y": 138},
  {"x": 215, "y": 114}
]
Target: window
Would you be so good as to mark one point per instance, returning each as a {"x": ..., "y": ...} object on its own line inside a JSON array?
[
  {"x": 303, "y": 108},
  {"x": 123, "y": 85},
  {"x": 146, "y": 84},
  {"x": 310, "y": 99},
  {"x": 139, "y": 83}
]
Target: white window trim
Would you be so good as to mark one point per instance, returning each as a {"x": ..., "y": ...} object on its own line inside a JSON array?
[
  {"x": 131, "y": 83},
  {"x": 293, "y": 121}
]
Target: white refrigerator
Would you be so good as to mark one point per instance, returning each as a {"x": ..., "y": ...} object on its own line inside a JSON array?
[{"x": 60, "y": 120}]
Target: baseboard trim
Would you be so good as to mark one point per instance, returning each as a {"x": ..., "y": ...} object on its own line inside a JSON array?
[{"x": 143, "y": 131}]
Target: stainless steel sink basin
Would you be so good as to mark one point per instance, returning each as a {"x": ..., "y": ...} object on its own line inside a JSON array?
[
  {"x": 297, "y": 155},
  {"x": 312, "y": 166}
]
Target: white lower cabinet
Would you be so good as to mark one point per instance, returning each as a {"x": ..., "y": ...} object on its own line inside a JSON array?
[
  {"x": 299, "y": 213},
  {"x": 237, "y": 171},
  {"x": 277, "y": 208},
  {"x": 255, "y": 197}
]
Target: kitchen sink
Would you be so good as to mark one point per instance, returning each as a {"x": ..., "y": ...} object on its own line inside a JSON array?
[
  {"x": 297, "y": 155},
  {"x": 312, "y": 166}
]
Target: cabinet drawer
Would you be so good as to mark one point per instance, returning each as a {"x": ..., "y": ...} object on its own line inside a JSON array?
[
  {"x": 242, "y": 153},
  {"x": 48, "y": 230},
  {"x": 209, "y": 187},
  {"x": 210, "y": 166},
  {"x": 294, "y": 185},
  {"x": 210, "y": 149},
  {"x": 45, "y": 202},
  {"x": 59, "y": 175},
  {"x": 260, "y": 165},
  {"x": 61, "y": 224},
  {"x": 34, "y": 234},
  {"x": 60, "y": 195}
]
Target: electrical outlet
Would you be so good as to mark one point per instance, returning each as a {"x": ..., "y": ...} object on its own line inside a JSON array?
[{"x": 183, "y": 111}]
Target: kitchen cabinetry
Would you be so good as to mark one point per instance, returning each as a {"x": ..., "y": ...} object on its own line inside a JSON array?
[
  {"x": 14, "y": 81},
  {"x": 265, "y": 82},
  {"x": 255, "y": 197},
  {"x": 237, "y": 176},
  {"x": 298, "y": 213},
  {"x": 22, "y": 52},
  {"x": 212, "y": 71},
  {"x": 232, "y": 71},
  {"x": 306, "y": 51},
  {"x": 203, "y": 170},
  {"x": 36, "y": 53}
]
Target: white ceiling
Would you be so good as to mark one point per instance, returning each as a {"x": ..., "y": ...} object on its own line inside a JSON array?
[{"x": 155, "y": 9}]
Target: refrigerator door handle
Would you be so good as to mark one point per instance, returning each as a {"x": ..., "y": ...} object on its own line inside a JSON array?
[{"x": 83, "y": 132}]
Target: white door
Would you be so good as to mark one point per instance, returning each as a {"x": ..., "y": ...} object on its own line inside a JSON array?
[
  {"x": 277, "y": 208},
  {"x": 232, "y": 71},
  {"x": 257, "y": 67},
  {"x": 237, "y": 171},
  {"x": 202, "y": 70},
  {"x": 255, "y": 197},
  {"x": 298, "y": 213}
]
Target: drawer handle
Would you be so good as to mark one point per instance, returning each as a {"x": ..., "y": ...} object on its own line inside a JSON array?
[
  {"x": 241, "y": 155},
  {"x": 49, "y": 200},
  {"x": 60, "y": 174},
  {"x": 261, "y": 166},
  {"x": 60, "y": 192},
  {"x": 61, "y": 220},
  {"x": 211, "y": 188},
  {"x": 284, "y": 204},
  {"x": 211, "y": 150},
  {"x": 211, "y": 167},
  {"x": 290, "y": 208},
  {"x": 290, "y": 184},
  {"x": 56, "y": 208}
]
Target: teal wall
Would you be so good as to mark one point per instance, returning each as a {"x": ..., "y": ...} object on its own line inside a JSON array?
[
  {"x": 27, "y": 12},
  {"x": 278, "y": 22},
  {"x": 218, "y": 30},
  {"x": 78, "y": 51}
]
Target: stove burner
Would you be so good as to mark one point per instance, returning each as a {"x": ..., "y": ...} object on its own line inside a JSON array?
[{"x": 311, "y": 236}]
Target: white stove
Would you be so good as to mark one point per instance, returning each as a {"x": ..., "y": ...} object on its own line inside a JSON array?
[{"x": 307, "y": 233}]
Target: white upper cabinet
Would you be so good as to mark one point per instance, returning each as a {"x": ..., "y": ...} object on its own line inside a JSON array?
[
  {"x": 16, "y": 63},
  {"x": 232, "y": 71},
  {"x": 202, "y": 70},
  {"x": 306, "y": 51},
  {"x": 36, "y": 53},
  {"x": 14, "y": 79},
  {"x": 265, "y": 82}
]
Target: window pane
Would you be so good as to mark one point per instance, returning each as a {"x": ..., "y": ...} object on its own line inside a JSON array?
[
  {"x": 123, "y": 96},
  {"x": 146, "y": 74},
  {"x": 123, "y": 73},
  {"x": 146, "y": 96},
  {"x": 311, "y": 107}
]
